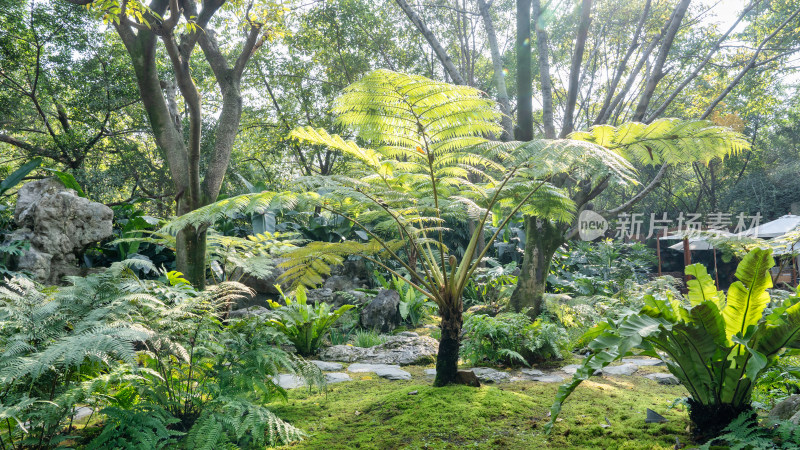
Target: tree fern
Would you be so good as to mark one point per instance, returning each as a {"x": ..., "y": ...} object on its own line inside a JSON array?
[
  {"x": 424, "y": 159},
  {"x": 671, "y": 140}
]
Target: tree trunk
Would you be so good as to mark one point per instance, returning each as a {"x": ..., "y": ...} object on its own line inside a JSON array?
[
  {"x": 544, "y": 71},
  {"x": 449, "y": 344},
  {"x": 499, "y": 76},
  {"x": 190, "y": 256},
  {"x": 524, "y": 130},
  {"x": 542, "y": 239},
  {"x": 438, "y": 49}
]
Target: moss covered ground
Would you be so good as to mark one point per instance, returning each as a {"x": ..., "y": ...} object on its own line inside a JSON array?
[{"x": 374, "y": 413}]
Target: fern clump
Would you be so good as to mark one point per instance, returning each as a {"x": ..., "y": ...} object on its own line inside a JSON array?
[
  {"x": 510, "y": 339},
  {"x": 154, "y": 357},
  {"x": 744, "y": 432}
]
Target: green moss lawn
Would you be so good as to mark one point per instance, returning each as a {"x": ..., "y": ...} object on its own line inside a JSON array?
[{"x": 375, "y": 413}]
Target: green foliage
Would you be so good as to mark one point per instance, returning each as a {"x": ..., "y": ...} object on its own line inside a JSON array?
[
  {"x": 157, "y": 351},
  {"x": 8, "y": 251},
  {"x": 138, "y": 427},
  {"x": 414, "y": 306},
  {"x": 744, "y": 432},
  {"x": 510, "y": 339},
  {"x": 716, "y": 347},
  {"x": 304, "y": 324},
  {"x": 16, "y": 176},
  {"x": 671, "y": 140},
  {"x": 60, "y": 347},
  {"x": 367, "y": 338},
  {"x": 215, "y": 377},
  {"x": 491, "y": 285},
  {"x": 602, "y": 268}
]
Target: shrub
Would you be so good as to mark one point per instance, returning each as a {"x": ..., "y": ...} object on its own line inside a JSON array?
[
  {"x": 367, "y": 338},
  {"x": 305, "y": 325},
  {"x": 716, "y": 346},
  {"x": 510, "y": 339}
]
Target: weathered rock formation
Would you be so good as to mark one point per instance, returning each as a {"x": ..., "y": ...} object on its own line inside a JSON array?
[{"x": 59, "y": 224}]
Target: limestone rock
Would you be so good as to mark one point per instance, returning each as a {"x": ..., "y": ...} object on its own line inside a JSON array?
[
  {"x": 338, "y": 283},
  {"x": 786, "y": 409},
  {"x": 336, "y": 377},
  {"x": 624, "y": 369},
  {"x": 382, "y": 313},
  {"x": 402, "y": 350},
  {"x": 664, "y": 378},
  {"x": 248, "y": 312},
  {"x": 59, "y": 224},
  {"x": 327, "y": 366},
  {"x": 489, "y": 375}
]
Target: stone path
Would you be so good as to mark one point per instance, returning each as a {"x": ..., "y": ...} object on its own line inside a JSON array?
[{"x": 336, "y": 373}]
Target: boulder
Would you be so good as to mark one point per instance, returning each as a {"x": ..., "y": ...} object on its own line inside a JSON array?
[
  {"x": 337, "y": 283},
  {"x": 266, "y": 285},
  {"x": 59, "y": 225},
  {"x": 402, "y": 350},
  {"x": 787, "y": 409},
  {"x": 248, "y": 312},
  {"x": 467, "y": 378},
  {"x": 486, "y": 309},
  {"x": 489, "y": 375},
  {"x": 666, "y": 379},
  {"x": 624, "y": 369},
  {"x": 336, "y": 377},
  {"x": 382, "y": 313},
  {"x": 289, "y": 381},
  {"x": 356, "y": 298}
]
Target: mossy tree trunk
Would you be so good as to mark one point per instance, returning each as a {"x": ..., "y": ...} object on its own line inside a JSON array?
[{"x": 542, "y": 239}]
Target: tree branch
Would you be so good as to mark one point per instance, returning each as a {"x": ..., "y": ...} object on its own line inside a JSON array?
[{"x": 441, "y": 53}]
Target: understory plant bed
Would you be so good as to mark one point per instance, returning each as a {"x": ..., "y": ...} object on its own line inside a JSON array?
[{"x": 373, "y": 413}]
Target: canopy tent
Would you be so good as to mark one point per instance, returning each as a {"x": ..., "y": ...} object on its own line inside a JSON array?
[
  {"x": 695, "y": 243},
  {"x": 775, "y": 228}
]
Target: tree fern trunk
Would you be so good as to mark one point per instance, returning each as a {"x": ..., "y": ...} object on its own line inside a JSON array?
[
  {"x": 449, "y": 344},
  {"x": 542, "y": 239}
]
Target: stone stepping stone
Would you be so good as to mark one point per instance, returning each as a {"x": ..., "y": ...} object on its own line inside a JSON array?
[
  {"x": 430, "y": 372},
  {"x": 624, "y": 369},
  {"x": 643, "y": 361},
  {"x": 666, "y": 379},
  {"x": 289, "y": 381},
  {"x": 327, "y": 366},
  {"x": 538, "y": 375},
  {"x": 548, "y": 378},
  {"x": 336, "y": 377},
  {"x": 388, "y": 371},
  {"x": 489, "y": 375},
  {"x": 572, "y": 368}
]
